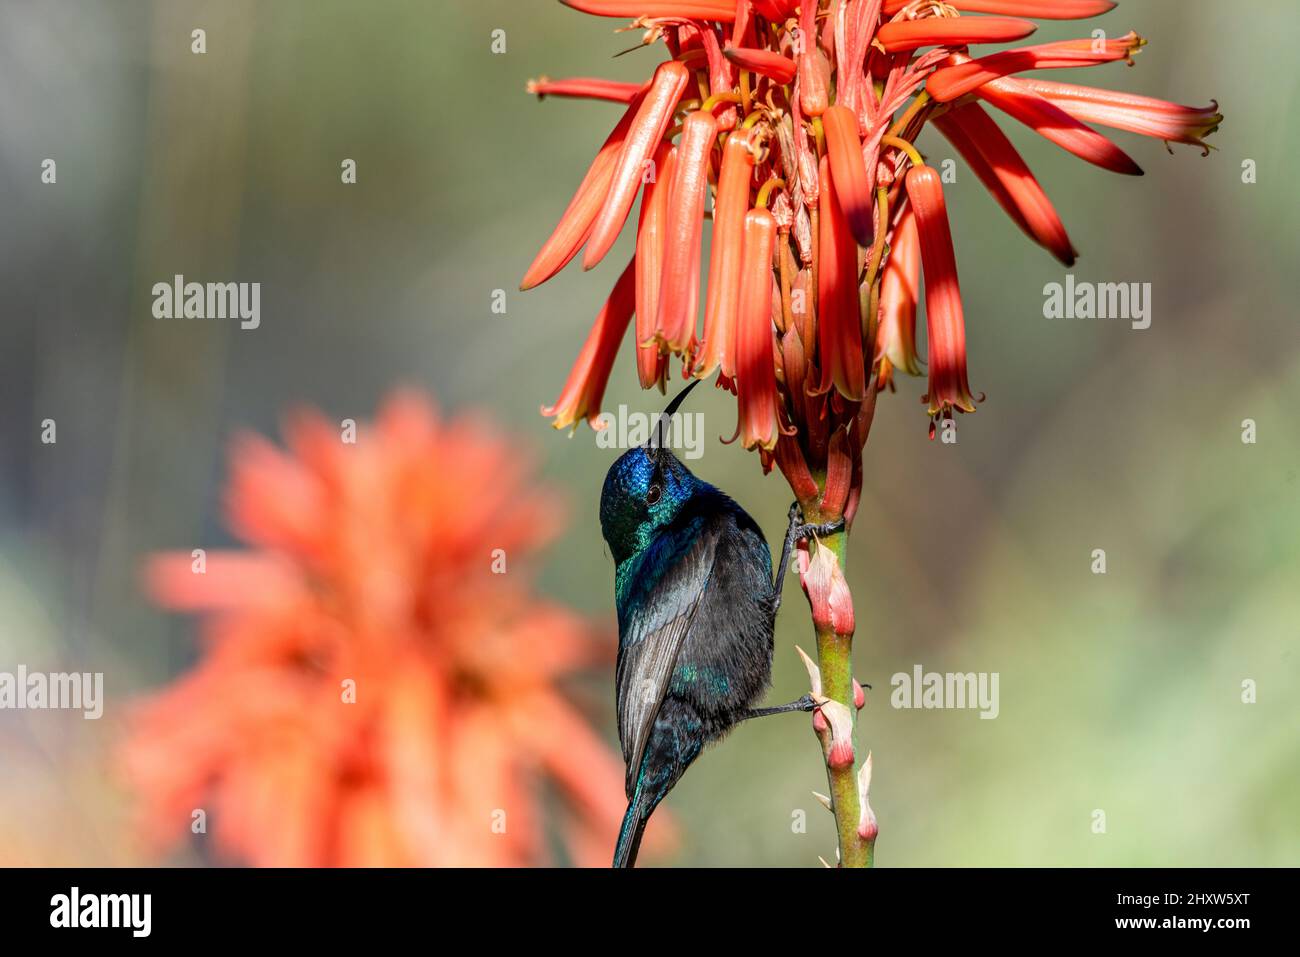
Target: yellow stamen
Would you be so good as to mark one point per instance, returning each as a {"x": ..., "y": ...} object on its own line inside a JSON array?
[
  {"x": 905, "y": 146},
  {"x": 712, "y": 102},
  {"x": 765, "y": 192}
]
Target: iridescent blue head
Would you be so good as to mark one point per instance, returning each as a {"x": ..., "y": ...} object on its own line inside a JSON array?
[{"x": 645, "y": 491}]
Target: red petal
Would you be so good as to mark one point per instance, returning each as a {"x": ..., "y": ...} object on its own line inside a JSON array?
[
  {"x": 585, "y": 88},
  {"x": 647, "y": 129},
  {"x": 903, "y": 35},
  {"x": 722, "y": 79},
  {"x": 945, "y": 323},
  {"x": 996, "y": 162},
  {"x": 719, "y": 346},
  {"x": 724, "y": 11},
  {"x": 651, "y": 365},
  {"x": 899, "y": 293},
  {"x": 1017, "y": 100},
  {"x": 813, "y": 94},
  {"x": 769, "y": 64},
  {"x": 839, "y": 322},
  {"x": 773, "y": 10},
  {"x": 575, "y": 225},
  {"x": 585, "y": 386},
  {"x": 839, "y": 472},
  {"x": 679, "y": 289},
  {"x": 789, "y": 458},
  {"x": 1127, "y": 111},
  {"x": 951, "y": 82},
  {"x": 755, "y": 367},
  {"x": 852, "y": 184}
]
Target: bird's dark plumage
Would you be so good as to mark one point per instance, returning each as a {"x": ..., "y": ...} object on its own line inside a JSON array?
[
  {"x": 697, "y": 606},
  {"x": 696, "y": 611}
]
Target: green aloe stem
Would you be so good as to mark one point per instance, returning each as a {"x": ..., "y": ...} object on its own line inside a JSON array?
[{"x": 835, "y": 661}]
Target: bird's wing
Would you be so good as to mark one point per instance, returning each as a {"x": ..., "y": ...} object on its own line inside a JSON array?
[{"x": 653, "y": 634}]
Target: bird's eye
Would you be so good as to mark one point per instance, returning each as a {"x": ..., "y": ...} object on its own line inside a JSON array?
[{"x": 652, "y": 496}]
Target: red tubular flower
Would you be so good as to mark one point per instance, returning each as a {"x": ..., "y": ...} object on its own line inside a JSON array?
[
  {"x": 813, "y": 90},
  {"x": 901, "y": 36},
  {"x": 755, "y": 371},
  {"x": 719, "y": 345},
  {"x": 899, "y": 294},
  {"x": 723, "y": 11},
  {"x": 999, "y": 167},
  {"x": 945, "y": 324},
  {"x": 1018, "y": 101},
  {"x": 852, "y": 184},
  {"x": 953, "y": 81},
  {"x": 839, "y": 323},
  {"x": 679, "y": 289},
  {"x": 584, "y": 88},
  {"x": 1038, "y": 9},
  {"x": 651, "y": 364},
  {"x": 643, "y": 136},
  {"x": 1136, "y": 114},
  {"x": 585, "y": 386},
  {"x": 766, "y": 62},
  {"x": 575, "y": 225}
]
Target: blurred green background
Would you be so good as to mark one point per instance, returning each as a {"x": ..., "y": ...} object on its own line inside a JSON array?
[{"x": 1119, "y": 692}]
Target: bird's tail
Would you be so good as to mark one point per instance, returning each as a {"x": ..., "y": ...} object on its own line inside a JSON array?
[{"x": 634, "y": 822}]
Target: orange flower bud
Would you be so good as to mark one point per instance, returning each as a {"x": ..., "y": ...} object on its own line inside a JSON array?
[
  {"x": 852, "y": 182},
  {"x": 899, "y": 36}
]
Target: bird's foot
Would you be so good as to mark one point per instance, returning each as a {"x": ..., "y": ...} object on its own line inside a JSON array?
[
  {"x": 800, "y": 530},
  {"x": 806, "y": 703},
  {"x": 823, "y": 529},
  {"x": 797, "y": 531}
]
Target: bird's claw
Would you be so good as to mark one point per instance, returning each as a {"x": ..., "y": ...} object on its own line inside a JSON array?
[
  {"x": 801, "y": 530},
  {"x": 798, "y": 531},
  {"x": 825, "y": 528}
]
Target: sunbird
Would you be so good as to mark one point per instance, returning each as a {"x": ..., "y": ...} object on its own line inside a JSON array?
[{"x": 697, "y": 606}]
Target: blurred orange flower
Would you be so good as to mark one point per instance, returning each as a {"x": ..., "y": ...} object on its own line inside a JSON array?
[{"x": 379, "y": 682}]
